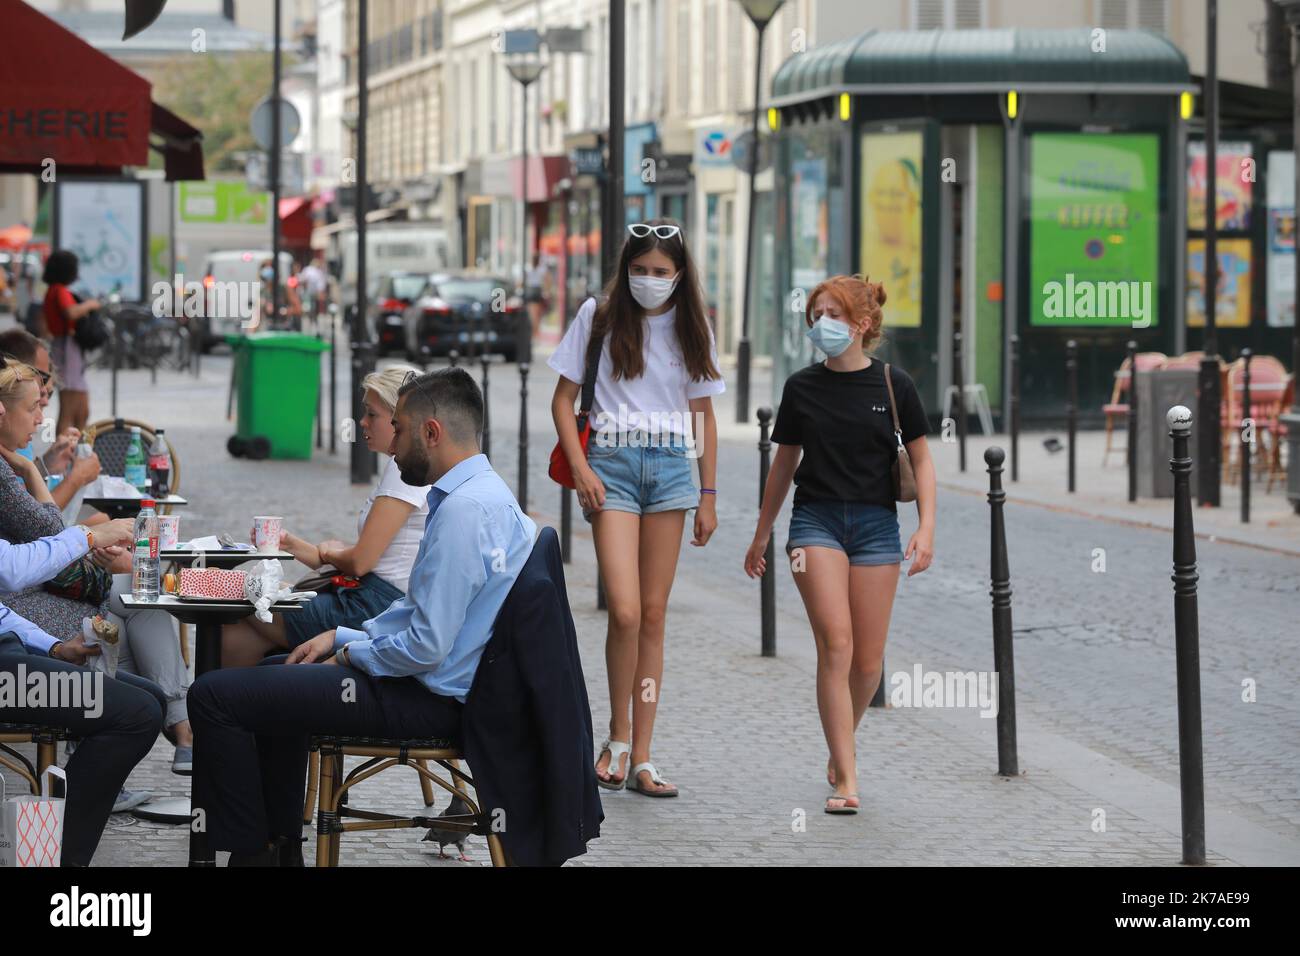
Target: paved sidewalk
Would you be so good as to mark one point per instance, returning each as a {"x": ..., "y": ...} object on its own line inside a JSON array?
[{"x": 740, "y": 736}]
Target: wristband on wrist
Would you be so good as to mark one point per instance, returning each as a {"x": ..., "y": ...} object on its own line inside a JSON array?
[
  {"x": 54, "y": 647},
  {"x": 708, "y": 491}
]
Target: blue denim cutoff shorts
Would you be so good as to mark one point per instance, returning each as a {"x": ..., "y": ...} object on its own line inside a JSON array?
[
  {"x": 867, "y": 533},
  {"x": 643, "y": 473}
]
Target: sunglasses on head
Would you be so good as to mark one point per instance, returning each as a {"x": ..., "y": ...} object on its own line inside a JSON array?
[
  {"x": 6, "y": 358},
  {"x": 641, "y": 230}
]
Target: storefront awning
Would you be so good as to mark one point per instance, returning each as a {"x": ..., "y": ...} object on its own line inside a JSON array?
[
  {"x": 63, "y": 100},
  {"x": 981, "y": 61}
]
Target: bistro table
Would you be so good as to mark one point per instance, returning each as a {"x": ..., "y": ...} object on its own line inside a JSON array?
[
  {"x": 224, "y": 558},
  {"x": 207, "y": 617},
  {"x": 129, "y": 507}
]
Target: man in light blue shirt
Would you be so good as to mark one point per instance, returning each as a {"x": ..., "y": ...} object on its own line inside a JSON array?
[{"x": 406, "y": 674}]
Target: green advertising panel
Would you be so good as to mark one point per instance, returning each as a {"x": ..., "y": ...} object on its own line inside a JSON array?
[
  {"x": 1094, "y": 241},
  {"x": 225, "y": 203}
]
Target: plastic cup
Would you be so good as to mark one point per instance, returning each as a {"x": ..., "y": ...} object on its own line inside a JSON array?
[
  {"x": 169, "y": 532},
  {"x": 266, "y": 533}
]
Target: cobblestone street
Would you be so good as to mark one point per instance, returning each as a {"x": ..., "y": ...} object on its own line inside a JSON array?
[{"x": 739, "y": 734}]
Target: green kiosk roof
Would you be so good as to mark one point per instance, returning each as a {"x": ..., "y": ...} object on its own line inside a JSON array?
[{"x": 981, "y": 61}]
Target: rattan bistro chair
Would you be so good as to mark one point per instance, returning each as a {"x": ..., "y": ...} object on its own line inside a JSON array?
[
  {"x": 46, "y": 740},
  {"x": 382, "y": 755}
]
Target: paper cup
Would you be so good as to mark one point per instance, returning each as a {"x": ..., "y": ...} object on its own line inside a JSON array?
[
  {"x": 266, "y": 533},
  {"x": 169, "y": 532}
]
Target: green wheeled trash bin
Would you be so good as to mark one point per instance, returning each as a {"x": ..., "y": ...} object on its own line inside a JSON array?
[{"x": 277, "y": 383}]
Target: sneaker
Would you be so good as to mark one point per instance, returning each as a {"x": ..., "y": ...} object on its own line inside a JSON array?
[
  {"x": 183, "y": 761},
  {"x": 130, "y": 799}
]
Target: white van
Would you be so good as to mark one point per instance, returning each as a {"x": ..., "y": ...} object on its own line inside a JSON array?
[{"x": 240, "y": 266}]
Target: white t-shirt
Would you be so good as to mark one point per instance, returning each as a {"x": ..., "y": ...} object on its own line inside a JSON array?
[
  {"x": 394, "y": 565},
  {"x": 656, "y": 402}
]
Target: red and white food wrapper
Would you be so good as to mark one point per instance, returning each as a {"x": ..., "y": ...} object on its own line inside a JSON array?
[
  {"x": 31, "y": 828},
  {"x": 212, "y": 583}
]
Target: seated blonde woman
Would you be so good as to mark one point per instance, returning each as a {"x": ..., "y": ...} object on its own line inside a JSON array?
[{"x": 388, "y": 537}]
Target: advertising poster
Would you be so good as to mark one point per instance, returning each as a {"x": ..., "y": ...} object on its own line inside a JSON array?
[
  {"x": 1233, "y": 186},
  {"x": 891, "y": 221},
  {"x": 1232, "y": 308},
  {"x": 1094, "y": 237},
  {"x": 809, "y": 222},
  {"x": 1280, "y": 293},
  {"x": 224, "y": 203},
  {"x": 103, "y": 223}
]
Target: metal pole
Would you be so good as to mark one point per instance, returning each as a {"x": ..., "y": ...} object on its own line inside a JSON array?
[
  {"x": 1247, "y": 436},
  {"x": 742, "y": 348},
  {"x": 274, "y": 166},
  {"x": 487, "y": 428},
  {"x": 959, "y": 384},
  {"x": 334, "y": 362},
  {"x": 1003, "y": 657},
  {"x": 523, "y": 227},
  {"x": 1014, "y": 402},
  {"x": 1071, "y": 401},
  {"x": 363, "y": 356},
  {"x": 1187, "y": 643},
  {"x": 1130, "y": 455},
  {"x": 767, "y": 607},
  {"x": 523, "y": 437},
  {"x": 1207, "y": 477},
  {"x": 612, "y": 209}
]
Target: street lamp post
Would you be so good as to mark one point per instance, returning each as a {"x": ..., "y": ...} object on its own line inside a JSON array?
[
  {"x": 525, "y": 67},
  {"x": 363, "y": 353},
  {"x": 1208, "y": 455},
  {"x": 760, "y": 13},
  {"x": 1292, "y": 10}
]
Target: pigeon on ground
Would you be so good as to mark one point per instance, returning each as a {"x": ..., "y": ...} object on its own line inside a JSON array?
[{"x": 446, "y": 836}]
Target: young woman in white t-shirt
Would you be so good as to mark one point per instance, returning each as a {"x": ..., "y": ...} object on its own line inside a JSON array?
[
  {"x": 388, "y": 537},
  {"x": 652, "y": 413}
]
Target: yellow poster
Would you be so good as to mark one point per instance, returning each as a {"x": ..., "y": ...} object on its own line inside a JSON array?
[
  {"x": 891, "y": 221},
  {"x": 1232, "y": 308}
]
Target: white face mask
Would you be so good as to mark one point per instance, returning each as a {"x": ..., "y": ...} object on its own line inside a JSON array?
[{"x": 651, "y": 292}]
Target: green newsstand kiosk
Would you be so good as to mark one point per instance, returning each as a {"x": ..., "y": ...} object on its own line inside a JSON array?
[{"x": 1002, "y": 181}]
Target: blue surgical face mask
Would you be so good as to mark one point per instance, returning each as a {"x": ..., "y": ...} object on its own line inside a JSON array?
[
  {"x": 830, "y": 335},
  {"x": 268, "y": 273}
]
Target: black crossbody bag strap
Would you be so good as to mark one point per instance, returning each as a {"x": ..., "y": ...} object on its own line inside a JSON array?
[{"x": 588, "y": 395}]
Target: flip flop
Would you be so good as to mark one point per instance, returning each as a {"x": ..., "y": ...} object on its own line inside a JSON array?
[
  {"x": 845, "y": 810},
  {"x": 634, "y": 778},
  {"x": 617, "y": 749}
]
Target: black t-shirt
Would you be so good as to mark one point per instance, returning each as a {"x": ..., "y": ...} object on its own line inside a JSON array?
[{"x": 843, "y": 422}]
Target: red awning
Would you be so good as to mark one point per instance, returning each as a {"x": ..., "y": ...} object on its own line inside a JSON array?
[
  {"x": 63, "y": 100},
  {"x": 295, "y": 220}
]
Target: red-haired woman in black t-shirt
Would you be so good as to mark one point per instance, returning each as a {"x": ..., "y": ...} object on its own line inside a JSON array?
[{"x": 844, "y": 544}]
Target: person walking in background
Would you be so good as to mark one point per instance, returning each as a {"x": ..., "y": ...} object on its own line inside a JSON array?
[
  {"x": 535, "y": 293},
  {"x": 656, "y": 372},
  {"x": 62, "y": 312},
  {"x": 835, "y": 428}
]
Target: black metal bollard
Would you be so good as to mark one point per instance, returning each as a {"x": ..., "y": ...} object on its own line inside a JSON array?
[
  {"x": 1015, "y": 407},
  {"x": 1187, "y": 643},
  {"x": 334, "y": 417},
  {"x": 1003, "y": 656},
  {"x": 1131, "y": 451},
  {"x": 523, "y": 437},
  {"x": 960, "y": 385},
  {"x": 1247, "y": 444},
  {"x": 601, "y": 603},
  {"x": 566, "y": 524},
  {"x": 487, "y": 434},
  {"x": 767, "y": 584},
  {"x": 453, "y": 357},
  {"x": 1071, "y": 402}
]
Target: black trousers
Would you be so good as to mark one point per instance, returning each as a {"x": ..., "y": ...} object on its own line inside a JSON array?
[
  {"x": 251, "y": 732},
  {"x": 115, "y": 736}
]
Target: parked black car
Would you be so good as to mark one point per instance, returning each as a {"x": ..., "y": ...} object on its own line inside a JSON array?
[
  {"x": 467, "y": 311},
  {"x": 390, "y": 298}
]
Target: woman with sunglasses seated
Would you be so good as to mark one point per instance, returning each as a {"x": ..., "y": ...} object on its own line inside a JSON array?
[
  {"x": 389, "y": 531},
  {"x": 90, "y": 586}
]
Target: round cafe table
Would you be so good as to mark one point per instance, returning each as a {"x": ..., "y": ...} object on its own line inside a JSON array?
[
  {"x": 130, "y": 507},
  {"x": 207, "y": 617}
]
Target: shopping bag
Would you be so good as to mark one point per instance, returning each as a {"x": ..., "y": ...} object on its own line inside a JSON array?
[{"x": 31, "y": 828}]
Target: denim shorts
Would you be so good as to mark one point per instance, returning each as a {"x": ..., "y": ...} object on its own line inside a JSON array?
[
  {"x": 340, "y": 607},
  {"x": 867, "y": 533},
  {"x": 643, "y": 474}
]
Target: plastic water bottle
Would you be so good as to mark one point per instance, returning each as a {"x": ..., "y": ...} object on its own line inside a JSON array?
[
  {"x": 160, "y": 466},
  {"x": 144, "y": 561},
  {"x": 136, "y": 472}
]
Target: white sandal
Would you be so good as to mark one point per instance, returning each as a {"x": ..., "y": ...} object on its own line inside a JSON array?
[
  {"x": 617, "y": 749},
  {"x": 648, "y": 767}
]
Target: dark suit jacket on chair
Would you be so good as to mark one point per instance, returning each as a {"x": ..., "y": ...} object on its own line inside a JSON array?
[{"x": 527, "y": 722}]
